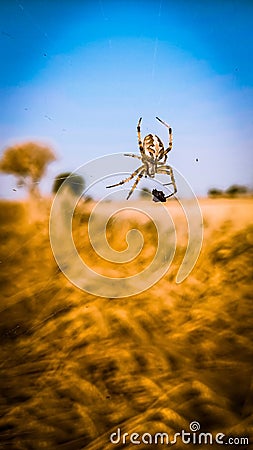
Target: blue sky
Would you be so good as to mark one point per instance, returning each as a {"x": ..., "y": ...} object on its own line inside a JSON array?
[{"x": 78, "y": 75}]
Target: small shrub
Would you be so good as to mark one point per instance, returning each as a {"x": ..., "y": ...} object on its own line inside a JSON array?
[
  {"x": 236, "y": 190},
  {"x": 214, "y": 192}
]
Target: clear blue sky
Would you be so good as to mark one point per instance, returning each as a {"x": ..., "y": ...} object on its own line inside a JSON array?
[{"x": 78, "y": 75}]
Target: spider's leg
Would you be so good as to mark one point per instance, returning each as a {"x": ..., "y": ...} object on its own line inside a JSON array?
[
  {"x": 164, "y": 123},
  {"x": 139, "y": 136},
  {"x": 133, "y": 155},
  {"x": 128, "y": 178},
  {"x": 135, "y": 183},
  {"x": 168, "y": 149},
  {"x": 168, "y": 170}
]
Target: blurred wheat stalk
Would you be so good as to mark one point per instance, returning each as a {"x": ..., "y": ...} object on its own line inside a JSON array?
[{"x": 74, "y": 367}]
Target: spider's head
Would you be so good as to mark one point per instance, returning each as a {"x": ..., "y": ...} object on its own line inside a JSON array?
[{"x": 151, "y": 171}]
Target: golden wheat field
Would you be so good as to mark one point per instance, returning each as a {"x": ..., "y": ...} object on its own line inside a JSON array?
[{"x": 75, "y": 367}]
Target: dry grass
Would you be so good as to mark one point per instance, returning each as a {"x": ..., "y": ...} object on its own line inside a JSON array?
[{"x": 74, "y": 367}]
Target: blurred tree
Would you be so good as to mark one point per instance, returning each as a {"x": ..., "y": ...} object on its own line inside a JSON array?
[
  {"x": 28, "y": 161},
  {"x": 214, "y": 192},
  {"x": 88, "y": 199},
  {"x": 75, "y": 182},
  {"x": 236, "y": 189}
]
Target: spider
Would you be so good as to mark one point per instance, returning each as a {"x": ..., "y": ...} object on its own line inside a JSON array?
[{"x": 153, "y": 157}]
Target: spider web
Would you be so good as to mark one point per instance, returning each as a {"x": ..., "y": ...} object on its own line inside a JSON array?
[{"x": 156, "y": 44}]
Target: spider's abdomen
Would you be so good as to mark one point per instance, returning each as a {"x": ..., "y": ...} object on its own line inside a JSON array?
[{"x": 152, "y": 145}]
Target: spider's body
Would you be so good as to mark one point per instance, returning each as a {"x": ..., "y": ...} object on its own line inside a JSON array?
[
  {"x": 153, "y": 146},
  {"x": 153, "y": 156},
  {"x": 153, "y": 152}
]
